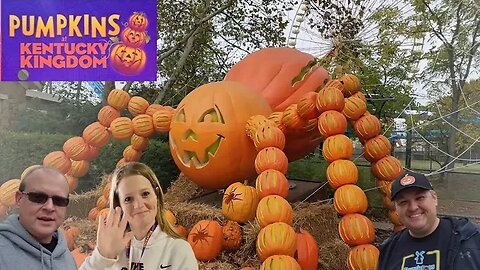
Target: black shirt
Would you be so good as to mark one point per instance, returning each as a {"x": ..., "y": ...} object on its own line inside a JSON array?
[{"x": 51, "y": 246}]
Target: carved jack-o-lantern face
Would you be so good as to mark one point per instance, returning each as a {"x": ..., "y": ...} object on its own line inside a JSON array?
[
  {"x": 133, "y": 38},
  {"x": 127, "y": 60},
  {"x": 207, "y": 134},
  {"x": 138, "y": 21}
]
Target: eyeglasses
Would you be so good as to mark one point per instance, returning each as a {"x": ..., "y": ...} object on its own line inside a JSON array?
[{"x": 42, "y": 198}]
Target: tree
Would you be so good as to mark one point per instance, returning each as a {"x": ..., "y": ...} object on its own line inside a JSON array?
[{"x": 453, "y": 28}]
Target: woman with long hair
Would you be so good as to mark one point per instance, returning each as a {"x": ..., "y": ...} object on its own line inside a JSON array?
[{"x": 136, "y": 234}]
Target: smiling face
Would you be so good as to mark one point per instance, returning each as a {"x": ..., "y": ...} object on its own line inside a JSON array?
[
  {"x": 127, "y": 60},
  {"x": 42, "y": 219},
  {"x": 207, "y": 134},
  {"x": 133, "y": 38},
  {"x": 138, "y": 21},
  {"x": 417, "y": 210}
]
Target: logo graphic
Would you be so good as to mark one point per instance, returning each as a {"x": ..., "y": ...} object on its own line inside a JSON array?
[
  {"x": 419, "y": 255},
  {"x": 407, "y": 180},
  {"x": 164, "y": 266}
]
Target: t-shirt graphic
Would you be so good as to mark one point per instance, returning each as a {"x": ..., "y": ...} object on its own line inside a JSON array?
[{"x": 422, "y": 260}]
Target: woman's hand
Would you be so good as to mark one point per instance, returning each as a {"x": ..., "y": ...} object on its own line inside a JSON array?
[{"x": 111, "y": 232}]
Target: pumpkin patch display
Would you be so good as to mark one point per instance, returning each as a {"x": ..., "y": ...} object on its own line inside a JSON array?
[
  {"x": 307, "y": 251},
  {"x": 232, "y": 236},
  {"x": 7, "y": 192},
  {"x": 276, "y": 239},
  {"x": 271, "y": 158},
  {"x": 377, "y": 148},
  {"x": 239, "y": 202},
  {"x": 387, "y": 168},
  {"x": 269, "y": 136},
  {"x": 58, "y": 160},
  {"x": 76, "y": 148},
  {"x": 330, "y": 99},
  {"x": 271, "y": 182},
  {"x": 207, "y": 134},
  {"x": 331, "y": 123},
  {"x": 337, "y": 147},
  {"x": 118, "y": 99},
  {"x": 363, "y": 257},
  {"x": 342, "y": 172},
  {"x": 107, "y": 114},
  {"x": 96, "y": 135},
  {"x": 121, "y": 128},
  {"x": 356, "y": 229},
  {"x": 280, "y": 262},
  {"x": 273, "y": 209},
  {"x": 349, "y": 199},
  {"x": 206, "y": 239}
]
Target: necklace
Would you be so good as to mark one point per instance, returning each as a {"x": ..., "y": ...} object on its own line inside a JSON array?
[{"x": 145, "y": 242}]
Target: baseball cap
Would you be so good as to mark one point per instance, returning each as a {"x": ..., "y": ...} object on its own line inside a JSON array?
[{"x": 408, "y": 180}]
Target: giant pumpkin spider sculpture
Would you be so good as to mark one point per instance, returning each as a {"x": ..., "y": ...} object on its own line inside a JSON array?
[{"x": 273, "y": 107}]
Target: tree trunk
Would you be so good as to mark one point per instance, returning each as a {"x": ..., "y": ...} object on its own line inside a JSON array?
[{"x": 109, "y": 86}]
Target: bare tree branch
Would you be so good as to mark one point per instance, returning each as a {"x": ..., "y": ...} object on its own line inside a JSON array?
[{"x": 438, "y": 32}]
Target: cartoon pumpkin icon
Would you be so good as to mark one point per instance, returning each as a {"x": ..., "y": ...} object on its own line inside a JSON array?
[
  {"x": 128, "y": 60},
  {"x": 133, "y": 38},
  {"x": 208, "y": 141},
  {"x": 138, "y": 21}
]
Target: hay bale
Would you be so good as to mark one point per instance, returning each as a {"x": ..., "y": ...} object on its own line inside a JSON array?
[
  {"x": 333, "y": 255},
  {"x": 88, "y": 230},
  {"x": 80, "y": 204},
  {"x": 182, "y": 190},
  {"x": 319, "y": 219},
  {"x": 189, "y": 213},
  {"x": 216, "y": 265}
]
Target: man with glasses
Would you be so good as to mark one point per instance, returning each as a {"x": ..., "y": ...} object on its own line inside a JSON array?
[{"x": 30, "y": 238}]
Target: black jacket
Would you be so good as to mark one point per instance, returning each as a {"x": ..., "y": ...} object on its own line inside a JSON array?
[{"x": 464, "y": 246}]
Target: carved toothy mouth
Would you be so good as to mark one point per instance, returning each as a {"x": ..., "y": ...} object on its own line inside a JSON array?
[{"x": 189, "y": 158}]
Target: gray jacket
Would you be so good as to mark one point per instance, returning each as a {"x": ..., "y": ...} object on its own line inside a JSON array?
[{"x": 19, "y": 250}]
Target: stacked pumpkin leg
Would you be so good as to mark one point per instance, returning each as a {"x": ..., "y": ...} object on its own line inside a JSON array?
[{"x": 350, "y": 201}]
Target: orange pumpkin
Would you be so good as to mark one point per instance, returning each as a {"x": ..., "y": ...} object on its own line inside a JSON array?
[
  {"x": 377, "y": 148},
  {"x": 120, "y": 163},
  {"x": 207, "y": 134},
  {"x": 256, "y": 122},
  {"x": 292, "y": 120},
  {"x": 92, "y": 152},
  {"x": 387, "y": 168},
  {"x": 93, "y": 213},
  {"x": 351, "y": 84},
  {"x": 138, "y": 143},
  {"x": 361, "y": 96},
  {"x": 170, "y": 217},
  {"x": 277, "y": 74},
  {"x": 106, "y": 190},
  {"x": 153, "y": 108},
  {"x": 307, "y": 251},
  {"x": 162, "y": 120},
  {"x": 7, "y": 192},
  {"x": 239, "y": 202},
  {"x": 272, "y": 182},
  {"x": 232, "y": 236},
  {"x": 363, "y": 257},
  {"x": 143, "y": 125},
  {"x": 335, "y": 84},
  {"x": 384, "y": 186},
  {"x": 79, "y": 168},
  {"x": 273, "y": 209},
  {"x": 356, "y": 229},
  {"x": 350, "y": 199},
  {"x": 76, "y": 148},
  {"x": 394, "y": 218},
  {"x": 331, "y": 123},
  {"x": 337, "y": 147},
  {"x": 107, "y": 114},
  {"x": 130, "y": 154},
  {"x": 330, "y": 99},
  {"x": 71, "y": 232},
  {"x": 128, "y": 60},
  {"x": 276, "y": 118},
  {"x": 307, "y": 108},
  {"x": 269, "y": 136},
  {"x": 95, "y": 135},
  {"x": 118, "y": 99},
  {"x": 341, "y": 172},
  {"x": 81, "y": 253},
  {"x": 367, "y": 127},
  {"x": 354, "y": 108},
  {"x": 138, "y": 105},
  {"x": 58, "y": 160},
  {"x": 276, "y": 239},
  {"x": 271, "y": 158},
  {"x": 280, "y": 262},
  {"x": 182, "y": 231},
  {"x": 206, "y": 239},
  {"x": 121, "y": 128},
  {"x": 102, "y": 202},
  {"x": 133, "y": 38},
  {"x": 138, "y": 21}
]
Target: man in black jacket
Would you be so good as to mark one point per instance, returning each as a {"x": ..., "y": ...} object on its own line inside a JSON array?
[{"x": 427, "y": 242}]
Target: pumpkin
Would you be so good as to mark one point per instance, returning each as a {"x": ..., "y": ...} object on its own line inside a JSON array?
[
  {"x": 162, "y": 120},
  {"x": 377, "y": 148},
  {"x": 28, "y": 170},
  {"x": 181, "y": 230},
  {"x": 351, "y": 84},
  {"x": 118, "y": 99},
  {"x": 256, "y": 122},
  {"x": 384, "y": 186},
  {"x": 239, "y": 202},
  {"x": 307, "y": 251},
  {"x": 7, "y": 192},
  {"x": 58, "y": 160},
  {"x": 170, "y": 217},
  {"x": 269, "y": 136},
  {"x": 71, "y": 232},
  {"x": 127, "y": 60},
  {"x": 232, "y": 236},
  {"x": 138, "y": 105},
  {"x": 276, "y": 118},
  {"x": 271, "y": 158},
  {"x": 330, "y": 99},
  {"x": 280, "y": 262},
  {"x": 106, "y": 190},
  {"x": 341, "y": 172},
  {"x": 356, "y": 229},
  {"x": 307, "y": 108},
  {"x": 337, "y": 147},
  {"x": 93, "y": 213},
  {"x": 387, "y": 168},
  {"x": 133, "y": 38},
  {"x": 276, "y": 239},
  {"x": 207, "y": 135},
  {"x": 143, "y": 125},
  {"x": 130, "y": 154},
  {"x": 92, "y": 152},
  {"x": 367, "y": 127},
  {"x": 331, "y": 123},
  {"x": 95, "y": 135},
  {"x": 102, "y": 202},
  {"x": 271, "y": 182},
  {"x": 394, "y": 218},
  {"x": 279, "y": 74},
  {"x": 107, "y": 114},
  {"x": 79, "y": 168},
  {"x": 350, "y": 199},
  {"x": 273, "y": 209},
  {"x": 121, "y": 128},
  {"x": 138, "y": 21},
  {"x": 120, "y": 163},
  {"x": 206, "y": 239},
  {"x": 361, "y": 96},
  {"x": 138, "y": 143},
  {"x": 335, "y": 84},
  {"x": 354, "y": 108},
  {"x": 292, "y": 120},
  {"x": 153, "y": 108},
  {"x": 76, "y": 148},
  {"x": 81, "y": 253},
  {"x": 363, "y": 257}
]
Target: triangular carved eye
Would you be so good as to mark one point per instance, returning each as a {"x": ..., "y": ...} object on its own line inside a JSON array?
[
  {"x": 180, "y": 117},
  {"x": 212, "y": 115}
]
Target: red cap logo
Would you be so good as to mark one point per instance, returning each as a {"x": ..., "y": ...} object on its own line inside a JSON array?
[{"x": 407, "y": 180}]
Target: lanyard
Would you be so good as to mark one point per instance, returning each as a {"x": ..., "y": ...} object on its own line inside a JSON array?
[{"x": 145, "y": 241}]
